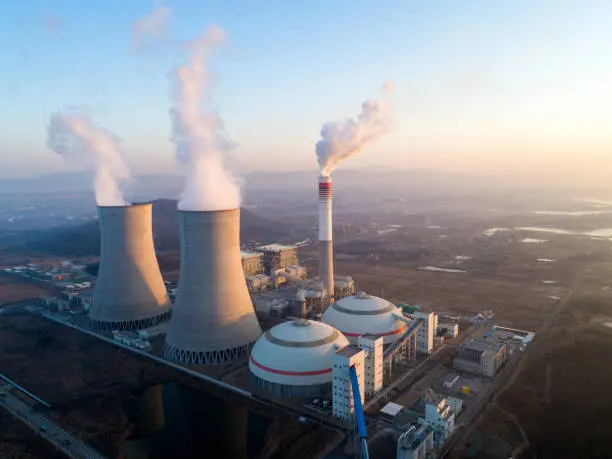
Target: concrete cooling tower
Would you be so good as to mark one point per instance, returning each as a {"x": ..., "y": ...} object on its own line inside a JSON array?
[
  {"x": 130, "y": 291},
  {"x": 213, "y": 319}
]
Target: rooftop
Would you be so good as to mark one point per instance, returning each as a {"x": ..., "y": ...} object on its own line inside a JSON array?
[
  {"x": 481, "y": 345},
  {"x": 274, "y": 248},
  {"x": 391, "y": 409},
  {"x": 244, "y": 254},
  {"x": 349, "y": 351}
]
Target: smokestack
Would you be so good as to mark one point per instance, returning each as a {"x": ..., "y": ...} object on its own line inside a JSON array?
[
  {"x": 326, "y": 251},
  {"x": 213, "y": 321},
  {"x": 130, "y": 291}
]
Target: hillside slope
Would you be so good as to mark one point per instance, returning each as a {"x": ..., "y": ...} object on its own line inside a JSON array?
[{"x": 85, "y": 239}]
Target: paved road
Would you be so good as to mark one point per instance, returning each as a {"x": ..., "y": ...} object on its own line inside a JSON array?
[{"x": 72, "y": 446}]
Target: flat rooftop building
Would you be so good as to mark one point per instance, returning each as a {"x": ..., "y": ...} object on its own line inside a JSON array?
[{"x": 480, "y": 356}]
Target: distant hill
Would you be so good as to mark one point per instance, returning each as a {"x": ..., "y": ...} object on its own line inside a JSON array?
[{"x": 84, "y": 240}]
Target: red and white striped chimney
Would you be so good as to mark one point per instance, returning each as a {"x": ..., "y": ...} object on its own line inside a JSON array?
[{"x": 326, "y": 251}]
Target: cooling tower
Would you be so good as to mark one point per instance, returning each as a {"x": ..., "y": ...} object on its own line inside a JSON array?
[
  {"x": 213, "y": 319},
  {"x": 326, "y": 250},
  {"x": 130, "y": 291}
]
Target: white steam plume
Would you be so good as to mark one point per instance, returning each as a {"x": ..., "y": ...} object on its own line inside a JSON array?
[
  {"x": 345, "y": 138},
  {"x": 198, "y": 133},
  {"x": 152, "y": 25},
  {"x": 75, "y": 137}
]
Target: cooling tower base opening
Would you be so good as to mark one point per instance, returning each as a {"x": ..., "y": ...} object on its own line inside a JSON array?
[
  {"x": 104, "y": 325},
  {"x": 175, "y": 354}
]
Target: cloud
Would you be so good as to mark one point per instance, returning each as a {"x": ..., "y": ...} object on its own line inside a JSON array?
[{"x": 153, "y": 25}]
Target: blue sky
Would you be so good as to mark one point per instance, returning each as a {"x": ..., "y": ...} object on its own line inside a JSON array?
[{"x": 504, "y": 85}]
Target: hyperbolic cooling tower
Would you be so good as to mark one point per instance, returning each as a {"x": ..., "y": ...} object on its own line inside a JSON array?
[
  {"x": 326, "y": 250},
  {"x": 130, "y": 292},
  {"x": 213, "y": 319}
]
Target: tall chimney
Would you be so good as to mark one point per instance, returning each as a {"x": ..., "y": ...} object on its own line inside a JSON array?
[
  {"x": 326, "y": 251},
  {"x": 213, "y": 320},
  {"x": 130, "y": 291}
]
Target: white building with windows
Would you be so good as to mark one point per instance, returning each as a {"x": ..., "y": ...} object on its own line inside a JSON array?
[
  {"x": 439, "y": 415},
  {"x": 449, "y": 329},
  {"x": 426, "y": 333},
  {"x": 372, "y": 345},
  {"x": 343, "y": 405}
]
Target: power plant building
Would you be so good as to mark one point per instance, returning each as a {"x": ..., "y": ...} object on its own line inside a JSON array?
[
  {"x": 343, "y": 286},
  {"x": 277, "y": 256},
  {"x": 343, "y": 404},
  {"x": 480, "y": 356},
  {"x": 364, "y": 314},
  {"x": 294, "y": 359},
  {"x": 252, "y": 263},
  {"x": 373, "y": 347},
  {"x": 427, "y": 333},
  {"x": 130, "y": 292},
  {"x": 416, "y": 443},
  {"x": 213, "y": 320}
]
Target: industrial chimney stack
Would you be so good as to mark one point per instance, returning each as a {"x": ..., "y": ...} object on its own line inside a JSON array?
[
  {"x": 130, "y": 291},
  {"x": 326, "y": 251},
  {"x": 213, "y": 320}
]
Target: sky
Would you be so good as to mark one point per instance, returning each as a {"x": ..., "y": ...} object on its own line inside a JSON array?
[{"x": 516, "y": 87}]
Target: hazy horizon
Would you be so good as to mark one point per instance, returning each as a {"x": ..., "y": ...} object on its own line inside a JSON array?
[{"x": 515, "y": 90}]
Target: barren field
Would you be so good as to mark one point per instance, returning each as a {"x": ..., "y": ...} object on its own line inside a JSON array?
[
  {"x": 557, "y": 405},
  {"x": 14, "y": 289}
]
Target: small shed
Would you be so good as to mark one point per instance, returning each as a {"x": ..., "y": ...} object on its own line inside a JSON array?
[{"x": 391, "y": 410}]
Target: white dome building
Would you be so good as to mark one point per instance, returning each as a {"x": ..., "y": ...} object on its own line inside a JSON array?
[
  {"x": 362, "y": 314},
  {"x": 295, "y": 358}
]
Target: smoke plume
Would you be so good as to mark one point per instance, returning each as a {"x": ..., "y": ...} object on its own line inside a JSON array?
[
  {"x": 345, "y": 138},
  {"x": 75, "y": 137},
  {"x": 152, "y": 25},
  {"x": 198, "y": 132}
]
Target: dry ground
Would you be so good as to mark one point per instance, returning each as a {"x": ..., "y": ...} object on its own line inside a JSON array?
[
  {"x": 561, "y": 398},
  {"x": 14, "y": 289}
]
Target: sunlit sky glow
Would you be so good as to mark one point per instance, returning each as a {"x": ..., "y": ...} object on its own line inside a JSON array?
[{"x": 511, "y": 86}]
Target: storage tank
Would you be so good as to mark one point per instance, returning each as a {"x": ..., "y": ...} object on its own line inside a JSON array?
[
  {"x": 362, "y": 314},
  {"x": 130, "y": 292},
  {"x": 294, "y": 359},
  {"x": 213, "y": 320}
]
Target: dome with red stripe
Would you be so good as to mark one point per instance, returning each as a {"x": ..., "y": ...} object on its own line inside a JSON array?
[
  {"x": 362, "y": 314},
  {"x": 296, "y": 353}
]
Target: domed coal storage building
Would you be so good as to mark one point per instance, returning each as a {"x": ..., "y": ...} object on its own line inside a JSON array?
[
  {"x": 294, "y": 359},
  {"x": 363, "y": 314}
]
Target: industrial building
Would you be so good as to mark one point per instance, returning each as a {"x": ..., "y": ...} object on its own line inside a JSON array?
[
  {"x": 252, "y": 263},
  {"x": 277, "y": 256},
  {"x": 372, "y": 345},
  {"x": 416, "y": 443},
  {"x": 448, "y": 329},
  {"x": 130, "y": 291},
  {"x": 427, "y": 333},
  {"x": 294, "y": 359},
  {"x": 363, "y": 314},
  {"x": 343, "y": 286},
  {"x": 213, "y": 320},
  {"x": 438, "y": 414},
  {"x": 480, "y": 356},
  {"x": 343, "y": 405}
]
